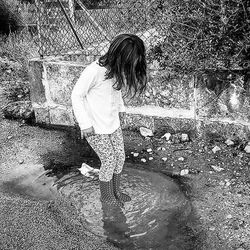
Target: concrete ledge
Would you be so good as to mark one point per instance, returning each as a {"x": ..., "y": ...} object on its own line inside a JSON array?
[{"x": 169, "y": 105}]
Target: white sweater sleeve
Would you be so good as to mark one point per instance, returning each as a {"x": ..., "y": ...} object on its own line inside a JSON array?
[{"x": 78, "y": 97}]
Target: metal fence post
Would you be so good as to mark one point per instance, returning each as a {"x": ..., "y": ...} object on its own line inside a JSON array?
[
  {"x": 72, "y": 10},
  {"x": 39, "y": 9}
]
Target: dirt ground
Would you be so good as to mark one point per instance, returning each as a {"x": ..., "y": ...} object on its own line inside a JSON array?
[{"x": 220, "y": 196}]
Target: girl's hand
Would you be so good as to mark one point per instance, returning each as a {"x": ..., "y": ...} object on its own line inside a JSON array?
[{"x": 87, "y": 132}]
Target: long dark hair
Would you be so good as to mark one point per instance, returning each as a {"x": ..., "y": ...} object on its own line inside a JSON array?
[{"x": 125, "y": 61}]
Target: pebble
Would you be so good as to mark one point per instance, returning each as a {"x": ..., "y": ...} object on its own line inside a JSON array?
[
  {"x": 229, "y": 216},
  {"x": 9, "y": 137},
  {"x": 163, "y": 149},
  {"x": 146, "y": 132},
  {"x": 143, "y": 160},
  {"x": 135, "y": 154},
  {"x": 217, "y": 169},
  {"x": 21, "y": 161},
  {"x": 184, "y": 172},
  {"x": 150, "y": 158},
  {"x": 166, "y": 136},
  {"x": 149, "y": 150},
  {"x": 247, "y": 148},
  {"x": 229, "y": 142},
  {"x": 164, "y": 158},
  {"x": 216, "y": 149},
  {"x": 184, "y": 137},
  {"x": 181, "y": 159}
]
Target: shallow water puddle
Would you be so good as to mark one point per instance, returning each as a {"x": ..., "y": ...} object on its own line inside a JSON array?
[{"x": 156, "y": 217}]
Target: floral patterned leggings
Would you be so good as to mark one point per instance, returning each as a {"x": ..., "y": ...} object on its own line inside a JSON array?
[{"x": 110, "y": 150}]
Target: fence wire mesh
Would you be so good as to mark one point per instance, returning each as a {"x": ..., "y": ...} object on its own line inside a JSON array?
[{"x": 87, "y": 27}]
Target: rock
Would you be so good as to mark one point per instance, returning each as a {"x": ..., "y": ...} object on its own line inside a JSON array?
[
  {"x": 217, "y": 169},
  {"x": 146, "y": 132},
  {"x": 164, "y": 158},
  {"x": 181, "y": 159},
  {"x": 19, "y": 110},
  {"x": 216, "y": 149},
  {"x": 21, "y": 161},
  {"x": 150, "y": 158},
  {"x": 184, "y": 137},
  {"x": 229, "y": 216},
  {"x": 184, "y": 172},
  {"x": 163, "y": 149},
  {"x": 9, "y": 137},
  {"x": 212, "y": 228},
  {"x": 135, "y": 154},
  {"x": 229, "y": 142},
  {"x": 247, "y": 148},
  {"x": 143, "y": 160},
  {"x": 166, "y": 136},
  {"x": 88, "y": 171},
  {"x": 149, "y": 150}
]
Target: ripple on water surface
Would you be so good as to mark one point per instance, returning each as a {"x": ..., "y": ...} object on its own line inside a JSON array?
[{"x": 155, "y": 218}]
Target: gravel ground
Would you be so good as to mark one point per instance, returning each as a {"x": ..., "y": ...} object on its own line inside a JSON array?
[{"x": 220, "y": 198}]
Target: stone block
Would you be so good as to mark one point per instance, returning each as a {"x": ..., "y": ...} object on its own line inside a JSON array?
[
  {"x": 136, "y": 121},
  {"x": 61, "y": 78},
  {"x": 162, "y": 91},
  {"x": 175, "y": 125},
  {"x": 37, "y": 91},
  {"x": 223, "y": 96},
  {"x": 61, "y": 116},
  {"x": 42, "y": 115},
  {"x": 222, "y": 130}
]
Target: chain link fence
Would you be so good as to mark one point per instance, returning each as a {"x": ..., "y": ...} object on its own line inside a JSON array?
[{"x": 87, "y": 27}]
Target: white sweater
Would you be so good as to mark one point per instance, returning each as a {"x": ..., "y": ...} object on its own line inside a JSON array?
[{"x": 95, "y": 102}]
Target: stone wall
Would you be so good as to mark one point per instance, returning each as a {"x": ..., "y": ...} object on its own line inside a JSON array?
[{"x": 197, "y": 105}]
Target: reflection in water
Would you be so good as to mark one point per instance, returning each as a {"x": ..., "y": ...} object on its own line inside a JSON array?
[{"x": 115, "y": 227}]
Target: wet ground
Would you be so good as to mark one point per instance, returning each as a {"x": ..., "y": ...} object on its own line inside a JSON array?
[
  {"x": 47, "y": 204},
  {"x": 202, "y": 210}
]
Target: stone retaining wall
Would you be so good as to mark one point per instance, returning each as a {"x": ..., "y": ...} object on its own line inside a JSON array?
[{"x": 187, "y": 104}]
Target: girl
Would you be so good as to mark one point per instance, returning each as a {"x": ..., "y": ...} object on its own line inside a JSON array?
[{"x": 97, "y": 101}]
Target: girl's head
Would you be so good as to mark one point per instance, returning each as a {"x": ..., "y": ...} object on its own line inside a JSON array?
[{"x": 125, "y": 61}]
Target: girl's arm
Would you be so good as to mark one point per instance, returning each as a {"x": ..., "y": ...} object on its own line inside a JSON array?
[{"x": 80, "y": 90}]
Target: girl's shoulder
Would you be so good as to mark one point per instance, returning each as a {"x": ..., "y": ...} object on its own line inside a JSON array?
[{"x": 95, "y": 67}]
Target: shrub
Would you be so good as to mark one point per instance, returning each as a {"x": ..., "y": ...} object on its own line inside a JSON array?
[
  {"x": 19, "y": 48},
  {"x": 198, "y": 35}
]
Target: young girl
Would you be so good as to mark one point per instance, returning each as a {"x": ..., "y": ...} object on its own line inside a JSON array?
[{"x": 97, "y": 101}]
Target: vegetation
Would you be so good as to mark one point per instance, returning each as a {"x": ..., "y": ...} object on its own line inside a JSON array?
[{"x": 204, "y": 34}]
